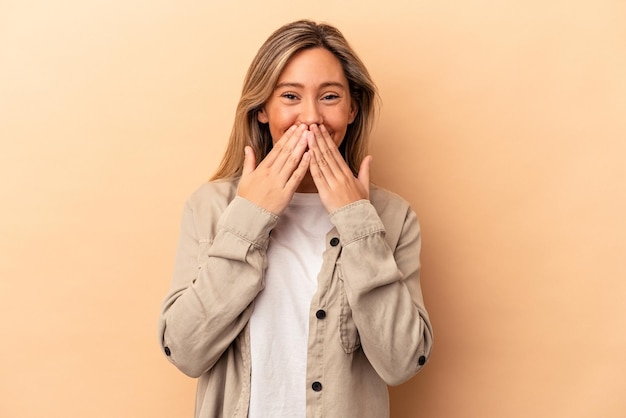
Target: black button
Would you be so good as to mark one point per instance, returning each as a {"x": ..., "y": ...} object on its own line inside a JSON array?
[
  {"x": 334, "y": 242},
  {"x": 167, "y": 351},
  {"x": 321, "y": 314},
  {"x": 421, "y": 361},
  {"x": 317, "y": 386}
]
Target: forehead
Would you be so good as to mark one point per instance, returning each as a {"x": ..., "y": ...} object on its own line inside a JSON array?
[{"x": 314, "y": 65}]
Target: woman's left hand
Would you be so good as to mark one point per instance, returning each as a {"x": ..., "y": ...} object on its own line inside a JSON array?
[{"x": 334, "y": 180}]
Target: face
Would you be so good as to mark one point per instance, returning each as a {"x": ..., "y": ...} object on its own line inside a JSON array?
[{"x": 312, "y": 89}]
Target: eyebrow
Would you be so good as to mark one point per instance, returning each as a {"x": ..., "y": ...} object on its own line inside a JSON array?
[{"x": 299, "y": 85}]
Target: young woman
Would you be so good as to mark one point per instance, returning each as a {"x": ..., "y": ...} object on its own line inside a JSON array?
[{"x": 296, "y": 289}]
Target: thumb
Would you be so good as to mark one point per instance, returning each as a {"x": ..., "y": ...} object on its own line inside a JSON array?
[
  {"x": 249, "y": 161},
  {"x": 364, "y": 173}
]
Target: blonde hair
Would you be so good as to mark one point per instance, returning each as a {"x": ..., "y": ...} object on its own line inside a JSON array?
[{"x": 262, "y": 77}]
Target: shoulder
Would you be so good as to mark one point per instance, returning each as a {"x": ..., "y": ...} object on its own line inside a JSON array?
[
  {"x": 206, "y": 205},
  {"x": 213, "y": 194},
  {"x": 395, "y": 213},
  {"x": 387, "y": 202}
]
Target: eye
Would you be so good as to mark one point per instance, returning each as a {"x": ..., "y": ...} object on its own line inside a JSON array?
[
  {"x": 330, "y": 96},
  {"x": 289, "y": 96}
]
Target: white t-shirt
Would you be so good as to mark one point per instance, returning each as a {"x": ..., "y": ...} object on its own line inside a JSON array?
[{"x": 279, "y": 326}]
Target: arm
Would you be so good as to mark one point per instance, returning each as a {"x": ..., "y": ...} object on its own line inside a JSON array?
[
  {"x": 383, "y": 289},
  {"x": 214, "y": 284},
  {"x": 210, "y": 301}
]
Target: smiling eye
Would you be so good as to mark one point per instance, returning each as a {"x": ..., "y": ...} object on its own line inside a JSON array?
[
  {"x": 289, "y": 96},
  {"x": 330, "y": 97}
]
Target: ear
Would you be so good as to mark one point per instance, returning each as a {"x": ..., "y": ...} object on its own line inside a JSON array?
[
  {"x": 354, "y": 110},
  {"x": 262, "y": 116}
]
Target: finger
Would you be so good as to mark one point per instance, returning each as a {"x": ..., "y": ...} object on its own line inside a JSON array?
[
  {"x": 316, "y": 173},
  {"x": 249, "y": 162},
  {"x": 291, "y": 156},
  {"x": 317, "y": 162},
  {"x": 278, "y": 146},
  {"x": 331, "y": 152},
  {"x": 288, "y": 152},
  {"x": 364, "y": 173},
  {"x": 299, "y": 173},
  {"x": 286, "y": 143},
  {"x": 323, "y": 151}
]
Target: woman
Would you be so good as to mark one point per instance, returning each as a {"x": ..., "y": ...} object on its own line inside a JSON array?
[{"x": 296, "y": 285}]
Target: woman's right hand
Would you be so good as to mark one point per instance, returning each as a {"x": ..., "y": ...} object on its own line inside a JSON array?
[{"x": 273, "y": 182}]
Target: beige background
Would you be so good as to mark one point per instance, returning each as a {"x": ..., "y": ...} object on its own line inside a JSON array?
[{"x": 504, "y": 124}]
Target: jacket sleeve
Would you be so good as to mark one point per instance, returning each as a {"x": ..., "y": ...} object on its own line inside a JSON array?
[
  {"x": 214, "y": 283},
  {"x": 383, "y": 290}
]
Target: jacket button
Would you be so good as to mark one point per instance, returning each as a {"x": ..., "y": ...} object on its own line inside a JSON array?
[
  {"x": 421, "y": 361},
  {"x": 316, "y": 386},
  {"x": 334, "y": 242},
  {"x": 321, "y": 314},
  {"x": 167, "y": 351}
]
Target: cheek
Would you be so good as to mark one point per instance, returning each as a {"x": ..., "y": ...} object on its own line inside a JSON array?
[
  {"x": 338, "y": 126},
  {"x": 279, "y": 123},
  {"x": 276, "y": 130}
]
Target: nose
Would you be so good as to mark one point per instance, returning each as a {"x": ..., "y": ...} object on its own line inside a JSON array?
[{"x": 310, "y": 113}]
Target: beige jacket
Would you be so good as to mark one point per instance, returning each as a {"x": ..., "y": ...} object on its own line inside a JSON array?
[{"x": 368, "y": 326}]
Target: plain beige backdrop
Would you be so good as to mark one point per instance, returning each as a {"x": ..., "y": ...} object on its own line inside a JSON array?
[{"x": 503, "y": 123}]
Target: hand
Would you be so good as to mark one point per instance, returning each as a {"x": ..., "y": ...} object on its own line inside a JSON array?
[
  {"x": 272, "y": 184},
  {"x": 334, "y": 180}
]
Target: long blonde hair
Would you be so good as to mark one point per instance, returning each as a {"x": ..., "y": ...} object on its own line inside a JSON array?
[{"x": 262, "y": 77}]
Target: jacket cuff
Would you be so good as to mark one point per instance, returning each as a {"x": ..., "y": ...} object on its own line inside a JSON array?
[
  {"x": 248, "y": 221},
  {"x": 356, "y": 221}
]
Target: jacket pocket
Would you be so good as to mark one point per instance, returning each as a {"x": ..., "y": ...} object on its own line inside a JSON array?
[{"x": 348, "y": 332}]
